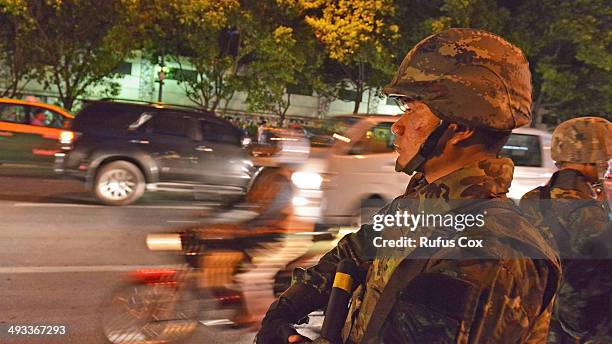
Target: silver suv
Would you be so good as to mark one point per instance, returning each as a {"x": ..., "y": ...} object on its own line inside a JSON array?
[{"x": 122, "y": 149}]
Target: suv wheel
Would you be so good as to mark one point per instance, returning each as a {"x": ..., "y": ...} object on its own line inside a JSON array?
[{"x": 119, "y": 183}]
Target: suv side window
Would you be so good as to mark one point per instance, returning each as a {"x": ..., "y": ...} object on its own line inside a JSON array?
[
  {"x": 97, "y": 116},
  {"x": 378, "y": 139},
  {"x": 524, "y": 150},
  {"x": 171, "y": 125},
  {"x": 13, "y": 113},
  {"x": 219, "y": 133},
  {"x": 47, "y": 118}
]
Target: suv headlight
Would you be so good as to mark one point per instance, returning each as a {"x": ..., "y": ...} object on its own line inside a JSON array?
[{"x": 307, "y": 180}]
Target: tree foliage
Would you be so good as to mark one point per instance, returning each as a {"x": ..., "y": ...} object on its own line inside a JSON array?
[
  {"x": 74, "y": 47},
  {"x": 287, "y": 55},
  {"x": 358, "y": 36},
  {"x": 206, "y": 38},
  {"x": 265, "y": 47},
  {"x": 569, "y": 49},
  {"x": 567, "y": 44},
  {"x": 17, "y": 56}
]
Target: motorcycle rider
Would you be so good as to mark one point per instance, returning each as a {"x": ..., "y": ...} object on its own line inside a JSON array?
[
  {"x": 258, "y": 240},
  {"x": 464, "y": 91},
  {"x": 575, "y": 218}
]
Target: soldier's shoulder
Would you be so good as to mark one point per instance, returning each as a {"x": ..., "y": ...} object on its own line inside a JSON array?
[
  {"x": 512, "y": 233},
  {"x": 532, "y": 194},
  {"x": 570, "y": 184},
  {"x": 570, "y": 193}
]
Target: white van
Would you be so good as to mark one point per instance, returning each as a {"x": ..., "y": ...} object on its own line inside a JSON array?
[{"x": 360, "y": 166}]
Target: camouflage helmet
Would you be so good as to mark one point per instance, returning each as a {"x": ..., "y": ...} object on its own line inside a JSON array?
[
  {"x": 467, "y": 76},
  {"x": 582, "y": 140}
]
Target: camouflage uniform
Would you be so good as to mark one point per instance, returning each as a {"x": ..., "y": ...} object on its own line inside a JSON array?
[
  {"x": 584, "y": 220},
  {"x": 505, "y": 295},
  {"x": 580, "y": 230}
]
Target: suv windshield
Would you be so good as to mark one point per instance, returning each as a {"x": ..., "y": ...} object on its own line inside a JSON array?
[{"x": 524, "y": 150}]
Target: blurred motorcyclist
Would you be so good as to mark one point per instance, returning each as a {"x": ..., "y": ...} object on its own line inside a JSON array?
[{"x": 259, "y": 225}]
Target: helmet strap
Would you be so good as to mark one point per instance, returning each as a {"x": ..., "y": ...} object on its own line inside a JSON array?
[{"x": 425, "y": 150}]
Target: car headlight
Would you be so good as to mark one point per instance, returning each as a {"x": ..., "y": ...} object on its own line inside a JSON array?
[
  {"x": 307, "y": 180},
  {"x": 299, "y": 201}
]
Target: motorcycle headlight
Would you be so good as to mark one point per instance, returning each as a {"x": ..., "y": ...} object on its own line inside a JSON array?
[
  {"x": 307, "y": 180},
  {"x": 164, "y": 242}
]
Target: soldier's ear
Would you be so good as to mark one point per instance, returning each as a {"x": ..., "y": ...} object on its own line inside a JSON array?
[{"x": 462, "y": 135}]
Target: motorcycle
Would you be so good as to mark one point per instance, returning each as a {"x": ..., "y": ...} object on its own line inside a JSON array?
[{"x": 167, "y": 305}]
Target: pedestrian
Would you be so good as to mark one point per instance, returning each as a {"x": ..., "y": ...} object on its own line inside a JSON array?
[
  {"x": 462, "y": 92},
  {"x": 261, "y": 137},
  {"x": 573, "y": 217}
]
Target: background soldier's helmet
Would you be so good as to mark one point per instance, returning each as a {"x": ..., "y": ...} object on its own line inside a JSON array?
[
  {"x": 582, "y": 140},
  {"x": 468, "y": 76}
]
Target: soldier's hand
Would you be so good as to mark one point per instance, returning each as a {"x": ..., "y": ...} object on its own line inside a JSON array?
[
  {"x": 292, "y": 307},
  {"x": 297, "y": 338},
  {"x": 279, "y": 331}
]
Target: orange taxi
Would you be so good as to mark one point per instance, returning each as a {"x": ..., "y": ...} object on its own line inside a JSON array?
[{"x": 30, "y": 132}]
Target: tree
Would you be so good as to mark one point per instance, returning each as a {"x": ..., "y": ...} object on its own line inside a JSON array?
[
  {"x": 207, "y": 39},
  {"x": 16, "y": 51},
  {"x": 15, "y": 56},
  {"x": 569, "y": 51},
  {"x": 275, "y": 68},
  {"x": 286, "y": 57},
  {"x": 75, "y": 47},
  {"x": 358, "y": 37},
  {"x": 215, "y": 49}
]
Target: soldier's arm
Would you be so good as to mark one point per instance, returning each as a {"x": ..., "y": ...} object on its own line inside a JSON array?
[
  {"x": 310, "y": 291},
  {"x": 354, "y": 246}
]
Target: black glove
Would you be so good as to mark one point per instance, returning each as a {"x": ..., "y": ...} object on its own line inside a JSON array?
[
  {"x": 295, "y": 304},
  {"x": 279, "y": 331}
]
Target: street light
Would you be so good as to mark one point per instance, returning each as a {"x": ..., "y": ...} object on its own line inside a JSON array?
[{"x": 161, "y": 75}]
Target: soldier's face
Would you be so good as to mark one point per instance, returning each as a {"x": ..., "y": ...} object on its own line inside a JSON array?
[{"x": 412, "y": 130}]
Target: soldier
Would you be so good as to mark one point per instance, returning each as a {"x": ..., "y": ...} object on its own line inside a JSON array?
[
  {"x": 568, "y": 213},
  {"x": 463, "y": 91}
]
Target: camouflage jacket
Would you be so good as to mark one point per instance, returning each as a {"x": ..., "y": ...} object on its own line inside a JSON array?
[
  {"x": 573, "y": 205},
  {"x": 493, "y": 295},
  {"x": 584, "y": 301}
]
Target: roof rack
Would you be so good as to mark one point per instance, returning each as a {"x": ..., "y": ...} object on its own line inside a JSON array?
[{"x": 157, "y": 104}]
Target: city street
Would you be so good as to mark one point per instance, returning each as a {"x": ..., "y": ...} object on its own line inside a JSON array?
[
  {"x": 404, "y": 171},
  {"x": 61, "y": 254}
]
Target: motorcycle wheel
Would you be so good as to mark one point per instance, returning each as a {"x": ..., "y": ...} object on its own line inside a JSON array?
[{"x": 149, "y": 314}]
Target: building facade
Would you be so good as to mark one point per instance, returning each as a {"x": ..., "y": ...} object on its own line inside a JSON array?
[{"x": 138, "y": 80}]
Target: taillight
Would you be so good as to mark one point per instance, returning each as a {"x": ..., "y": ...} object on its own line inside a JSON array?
[
  {"x": 161, "y": 276},
  {"x": 67, "y": 137}
]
